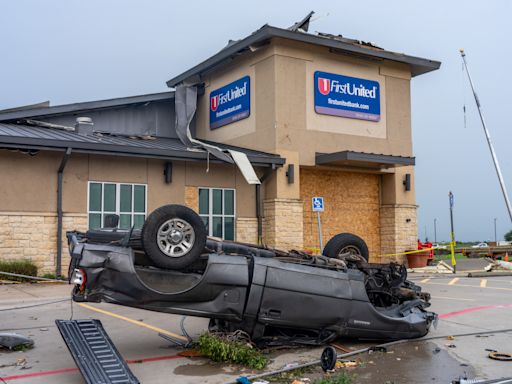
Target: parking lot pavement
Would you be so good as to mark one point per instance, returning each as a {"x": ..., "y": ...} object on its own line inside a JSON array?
[{"x": 465, "y": 305}]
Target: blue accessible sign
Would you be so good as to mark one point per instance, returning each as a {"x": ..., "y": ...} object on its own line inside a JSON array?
[
  {"x": 318, "y": 204},
  {"x": 346, "y": 96},
  {"x": 230, "y": 103}
]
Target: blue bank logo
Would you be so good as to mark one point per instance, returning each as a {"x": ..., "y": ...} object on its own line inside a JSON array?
[
  {"x": 346, "y": 96},
  {"x": 230, "y": 103}
]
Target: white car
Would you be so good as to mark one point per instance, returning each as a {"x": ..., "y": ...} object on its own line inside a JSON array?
[{"x": 481, "y": 245}]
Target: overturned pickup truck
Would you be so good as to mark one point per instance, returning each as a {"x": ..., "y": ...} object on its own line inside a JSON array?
[{"x": 171, "y": 266}]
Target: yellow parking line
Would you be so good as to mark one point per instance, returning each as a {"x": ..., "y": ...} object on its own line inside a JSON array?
[
  {"x": 474, "y": 286},
  {"x": 453, "y": 281},
  {"x": 425, "y": 280},
  {"x": 483, "y": 283},
  {"x": 136, "y": 322}
]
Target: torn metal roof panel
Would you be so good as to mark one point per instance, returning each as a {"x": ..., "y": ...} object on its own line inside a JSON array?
[{"x": 418, "y": 65}]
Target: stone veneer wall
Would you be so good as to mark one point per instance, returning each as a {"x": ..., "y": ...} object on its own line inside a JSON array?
[
  {"x": 247, "y": 230},
  {"x": 282, "y": 227},
  {"x": 398, "y": 230},
  {"x": 33, "y": 236}
]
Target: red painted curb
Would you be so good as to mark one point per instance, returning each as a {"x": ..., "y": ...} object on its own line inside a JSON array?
[
  {"x": 474, "y": 309},
  {"x": 66, "y": 370}
]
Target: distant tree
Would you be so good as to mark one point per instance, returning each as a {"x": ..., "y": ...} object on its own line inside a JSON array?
[{"x": 508, "y": 236}]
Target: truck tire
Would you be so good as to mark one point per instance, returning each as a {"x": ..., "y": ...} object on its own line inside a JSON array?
[
  {"x": 346, "y": 243},
  {"x": 173, "y": 236}
]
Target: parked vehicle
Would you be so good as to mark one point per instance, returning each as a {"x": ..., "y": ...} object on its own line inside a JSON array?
[
  {"x": 480, "y": 245},
  {"x": 171, "y": 266}
]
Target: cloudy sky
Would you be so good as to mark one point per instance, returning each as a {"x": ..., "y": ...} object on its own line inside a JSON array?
[{"x": 69, "y": 50}]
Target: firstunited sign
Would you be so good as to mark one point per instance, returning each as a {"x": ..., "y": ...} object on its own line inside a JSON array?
[{"x": 346, "y": 96}]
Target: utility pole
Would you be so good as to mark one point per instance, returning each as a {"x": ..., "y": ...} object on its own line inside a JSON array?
[
  {"x": 488, "y": 137},
  {"x": 452, "y": 233},
  {"x": 435, "y": 231},
  {"x": 495, "y": 237}
]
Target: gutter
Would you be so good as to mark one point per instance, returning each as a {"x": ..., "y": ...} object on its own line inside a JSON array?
[{"x": 60, "y": 174}]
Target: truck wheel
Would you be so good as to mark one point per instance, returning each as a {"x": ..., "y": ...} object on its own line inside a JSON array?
[
  {"x": 173, "y": 236},
  {"x": 343, "y": 243}
]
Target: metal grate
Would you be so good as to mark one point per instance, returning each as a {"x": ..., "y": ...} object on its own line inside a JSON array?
[{"x": 94, "y": 353}]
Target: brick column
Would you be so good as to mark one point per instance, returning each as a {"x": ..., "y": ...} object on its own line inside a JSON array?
[
  {"x": 398, "y": 230},
  {"x": 282, "y": 227}
]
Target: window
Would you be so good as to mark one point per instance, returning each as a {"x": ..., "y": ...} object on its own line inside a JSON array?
[
  {"x": 126, "y": 200},
  {"x": 217, "y": 209}
]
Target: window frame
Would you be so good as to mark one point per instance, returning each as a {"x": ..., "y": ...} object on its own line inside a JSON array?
[
  {"x": 211, "y": 215},
  {"x": 132, "y": 213}
]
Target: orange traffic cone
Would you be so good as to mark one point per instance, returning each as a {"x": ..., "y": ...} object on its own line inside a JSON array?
[{"x": 506, "y": 256}]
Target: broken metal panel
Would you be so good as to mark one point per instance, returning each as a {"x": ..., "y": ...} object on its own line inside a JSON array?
[
  {"x": 185, "y": 107},
  {"x": 94, "y": 353}
]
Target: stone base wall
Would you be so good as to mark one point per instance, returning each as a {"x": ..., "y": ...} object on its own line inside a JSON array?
[
  {"x": 33, "y": 236},
  {"x": 282, "y": 227},
  {"x": 247, "y": 230},
  {"x": 398, "y": 231}
]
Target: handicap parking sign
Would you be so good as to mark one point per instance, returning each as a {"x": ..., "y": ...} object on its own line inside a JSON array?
[{"x": 318, "y": 204}]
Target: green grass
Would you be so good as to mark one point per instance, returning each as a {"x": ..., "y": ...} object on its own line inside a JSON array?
[
  {"x": 221, "y": 350},
  {"x": 341, "y": 378},
  {"x": 448, "y": 257},
  {"x": 21, "y": 267}
]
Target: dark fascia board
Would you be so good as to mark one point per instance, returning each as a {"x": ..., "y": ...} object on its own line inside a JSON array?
[
  {"x": 86, "y": 106},
  {"x": 326, "y": 158},
  {"x": 122, "y": 150},
  {"x": 418, "y": 65}
]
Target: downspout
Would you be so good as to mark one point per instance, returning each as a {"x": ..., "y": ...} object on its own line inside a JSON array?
[
  {"x": 259, "y": 215},
  {"x": 60, "y": 174}
]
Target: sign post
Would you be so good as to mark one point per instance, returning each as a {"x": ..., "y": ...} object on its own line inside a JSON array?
[
  {"x": 318, "y": 206},
  {"x": 452, "y": 233}
]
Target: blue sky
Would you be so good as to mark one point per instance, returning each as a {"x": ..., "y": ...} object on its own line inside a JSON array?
[{"x": 68, "y": 50}]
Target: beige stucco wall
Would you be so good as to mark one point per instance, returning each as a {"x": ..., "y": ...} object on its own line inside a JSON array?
[
  {"x": 282, "y": 104},
  {"x": 28, "y": 200}
]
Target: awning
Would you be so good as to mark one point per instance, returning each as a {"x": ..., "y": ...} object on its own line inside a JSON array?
[{"x": 362, "y": 160}]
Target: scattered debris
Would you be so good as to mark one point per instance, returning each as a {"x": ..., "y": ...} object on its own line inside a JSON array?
[
  {"x": 378, "y": 348},
  {"x": 14, "y": 341},
  {"x": 436, "y": 350},
  {"x": 498, "y": 264},
  {"x": 440, "y": 267},
  {"x": 495, "y": 355},
  {"x": 451, "y": 338},
  {"x": 346, "y": 364},
  {"x": 451, "y": 345}
]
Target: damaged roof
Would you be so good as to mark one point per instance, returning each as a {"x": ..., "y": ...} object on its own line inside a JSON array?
[
  {"x": 44, "y": 109},
  {"x": 418, "y": 65},
  {"x": 30, "y": 138}
]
